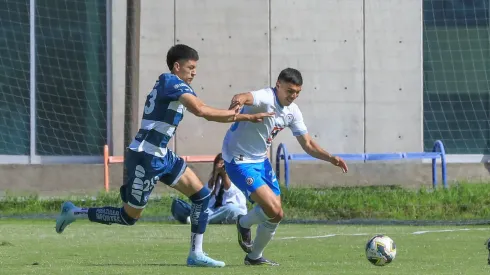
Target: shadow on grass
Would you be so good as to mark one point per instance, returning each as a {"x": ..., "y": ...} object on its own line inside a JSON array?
[
  {"x": 121, "y": 264},
  {"x": 154, "y": 264}
]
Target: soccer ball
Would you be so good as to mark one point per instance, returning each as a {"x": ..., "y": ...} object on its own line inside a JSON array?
[{"x": 380, "y": 250}]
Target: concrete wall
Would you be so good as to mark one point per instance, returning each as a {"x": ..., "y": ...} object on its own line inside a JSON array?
[
  {"x": 233, "y": 44},
  {"x": 76, "y": 179},
  {"x": 118, "y": 80},
  {"x": 361, "y": 63},
  {"x": 324, "y": 40},
  {"x": 393, "y": 71}
]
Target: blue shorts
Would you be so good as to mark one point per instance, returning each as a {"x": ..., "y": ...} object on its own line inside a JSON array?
[
  {"x": 143, "y": 171},
  {"x": 250, "y": 176}
]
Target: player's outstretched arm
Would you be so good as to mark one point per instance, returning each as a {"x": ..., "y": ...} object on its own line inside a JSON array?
[
  {"x": 241, "y": 99},
  {"x": 198, "y": 108},
  {"x": 314, "y": 150}
]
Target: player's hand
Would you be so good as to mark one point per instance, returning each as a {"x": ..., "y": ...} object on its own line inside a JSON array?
[
  {"x": 236, "y": 103},
  {"x": 337, "y": 161},
  {"x": 222, "y": 172},
  {"x": 220, "y": 167},
  {"x": 259, "y": 117},
  {"x": 237, "y": 107}
]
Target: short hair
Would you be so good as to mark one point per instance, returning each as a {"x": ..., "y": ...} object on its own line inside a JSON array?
[
  {"x": 180, "y": 52},
  {"x": 290, "y": 75}
]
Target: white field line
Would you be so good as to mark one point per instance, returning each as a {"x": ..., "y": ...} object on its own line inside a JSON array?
[
  {"x": 450, "y": 230},
  {"x": 366, "y": 234}
]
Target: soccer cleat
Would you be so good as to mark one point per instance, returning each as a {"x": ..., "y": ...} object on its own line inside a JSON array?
[
  {"x": 259, "y": 261},
  {"x": 66, "y": 216},
  {"x": 244, "y": 236},
  {"x": 487, "y": 244},
  {"x": 201, "y": 259}
]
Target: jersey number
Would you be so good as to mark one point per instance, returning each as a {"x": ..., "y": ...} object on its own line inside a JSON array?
[{"x": 151, "y": 100}]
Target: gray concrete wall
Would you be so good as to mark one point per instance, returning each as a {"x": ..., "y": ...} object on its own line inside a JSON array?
[
  {"x": 118, "y": 18},
  {"x": 361, "y": 64},
  {"x": 233, "y": 44},
  {"x": 76, "y": 179},
  {"x": 324, "y": 40},
  {"x": 393, "y": 71}
]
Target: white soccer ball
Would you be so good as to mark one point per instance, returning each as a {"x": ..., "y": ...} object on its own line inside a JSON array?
[{"x": 380, "y": 250}]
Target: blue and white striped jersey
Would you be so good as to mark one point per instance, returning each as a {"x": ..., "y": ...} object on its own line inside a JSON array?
[{"x": 161, "y": 116}]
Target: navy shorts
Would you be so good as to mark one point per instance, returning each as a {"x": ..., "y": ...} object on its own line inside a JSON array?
[{"x": 144, "y": 171}]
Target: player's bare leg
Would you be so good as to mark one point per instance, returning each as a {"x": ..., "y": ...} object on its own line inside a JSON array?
[
  {"x": 190, "y": 185},
  {"x": 267, "y": 214}
]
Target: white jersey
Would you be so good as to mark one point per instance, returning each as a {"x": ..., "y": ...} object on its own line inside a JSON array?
[
  {"x": 247, "y": 142},
  {"x": 231, "y": 196}
]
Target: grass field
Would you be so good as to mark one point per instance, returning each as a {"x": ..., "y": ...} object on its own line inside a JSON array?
[{"x": 33, "y": 247}]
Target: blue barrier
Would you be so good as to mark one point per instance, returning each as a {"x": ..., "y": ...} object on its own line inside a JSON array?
[{"x": 437, "y": 152}]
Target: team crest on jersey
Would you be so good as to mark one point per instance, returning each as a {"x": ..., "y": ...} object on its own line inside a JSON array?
[
  {"x": 289, "y": 118},
  {"x": 250, "y": 180}
]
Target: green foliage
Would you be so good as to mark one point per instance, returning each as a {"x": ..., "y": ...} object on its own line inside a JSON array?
[{"x": 460, "y": 201}]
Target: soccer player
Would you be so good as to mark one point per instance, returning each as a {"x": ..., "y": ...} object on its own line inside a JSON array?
[
  {"x": 149, "y": 160},
  {"x": 245, "y": 153}
]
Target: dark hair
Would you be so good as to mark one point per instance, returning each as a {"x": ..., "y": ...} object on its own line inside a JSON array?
[
  {"x": 217, "y": 159},
  {"x": 290, "y": 75},
  {"x": 180, "y": 52}
]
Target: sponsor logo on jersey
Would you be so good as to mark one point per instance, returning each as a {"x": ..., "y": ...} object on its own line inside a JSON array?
[
  {"x": 274, "y": 133},
  {"x": 141, "y": 184},
  {"x": 176, "y": 86}
]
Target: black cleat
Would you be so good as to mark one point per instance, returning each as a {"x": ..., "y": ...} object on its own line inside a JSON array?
[
  {"x": 244, "y": 236},
  {"x": 259, "y": 261},
  {"x": 487, "y": 244}
]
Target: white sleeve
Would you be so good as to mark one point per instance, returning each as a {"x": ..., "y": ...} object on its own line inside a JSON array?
[
  {"x": 261, "y": 97},
  {"x": 297, "y": 125}
]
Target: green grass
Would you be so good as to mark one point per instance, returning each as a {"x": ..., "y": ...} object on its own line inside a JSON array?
[
  {"x": 459, "y": 202},
  {"x": 33, "y": 247}
]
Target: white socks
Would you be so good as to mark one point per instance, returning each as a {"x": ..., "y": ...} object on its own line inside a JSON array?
[
  {"x": 196, "y": 243},
  {"x": 265, "y": 232},
  {"x": 254, "y": 216}
]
